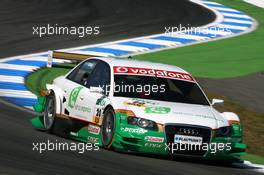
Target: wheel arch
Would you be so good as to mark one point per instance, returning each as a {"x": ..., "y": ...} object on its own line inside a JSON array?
[
  {"x": 107, "y": 107},
  {"x": 231, "y": 117},
  {"x": 58, "y": 96}
]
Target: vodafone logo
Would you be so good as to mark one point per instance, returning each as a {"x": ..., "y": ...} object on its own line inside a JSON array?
[
  {"x": 152, "y": 72},
  {"x": 121, "y": 70}
]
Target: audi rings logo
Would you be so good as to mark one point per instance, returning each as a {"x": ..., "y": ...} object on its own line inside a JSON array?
[
  {"x": 188, "y": 131},
  {"x": 121, "y": 69}
]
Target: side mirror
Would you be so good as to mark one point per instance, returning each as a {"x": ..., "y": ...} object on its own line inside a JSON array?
[
  {"x": 98, "y": 90},
  {"x": 217, "y": 102}
]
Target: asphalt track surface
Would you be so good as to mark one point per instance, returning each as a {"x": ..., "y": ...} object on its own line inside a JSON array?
[
  {"x": 134, "y": 19},
  {"x": 17, "y": 155},
  {"x": 117, "y": 19}
]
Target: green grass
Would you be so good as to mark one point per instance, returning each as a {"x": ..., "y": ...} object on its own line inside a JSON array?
[
  {"x": 223, "y": 58},
  {"x": 254, "y": 159},
  {"x": 37, "y": 81}
]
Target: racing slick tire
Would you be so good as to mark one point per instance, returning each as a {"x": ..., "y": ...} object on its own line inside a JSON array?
[
  {"x": 52, "y": 124},
  {"x": 108, "y": 128},
  {"x": 49, "y": 113}
]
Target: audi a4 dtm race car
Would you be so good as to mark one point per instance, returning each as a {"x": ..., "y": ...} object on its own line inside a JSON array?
[{"x": 138, "y": 106}]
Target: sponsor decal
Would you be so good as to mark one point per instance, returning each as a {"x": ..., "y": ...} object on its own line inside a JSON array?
[
  {"x": 101, "y": 101},
  {"x": 135, "y": 103},
  {"x": 73, "y": 96},
  {"x": 153, "y": 145},
  {"x": 97, "y": 118},
  {"x": 93, "y": 129},
  {"x": 74, "y": 134},
  {"x": 82, "y": 108},
  {"x": 99, "y": 112},
  {"x": 139, "y": 103},
  {"x": 144, "y": 101},
  {"x": 133, "y": 130},
  {"x": 183, "y": 139},
  {"x": 157, "y": 110},
  {"x": 153, "y": 72},
  {"x": 154, "y": 139},
  {"x": 92, "y": 139},
  {"x": 73, "y": 99}
]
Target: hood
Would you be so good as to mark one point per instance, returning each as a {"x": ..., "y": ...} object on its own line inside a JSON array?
[{"x": 170, "y": 112}]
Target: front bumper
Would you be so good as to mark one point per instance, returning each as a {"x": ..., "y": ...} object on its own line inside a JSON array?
[{"x": 130, "y": 138}]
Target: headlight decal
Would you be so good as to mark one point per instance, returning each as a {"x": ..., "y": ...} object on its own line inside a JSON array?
[
  {"x": 143, "y": 123},
  {"x": 225, "y": 131},
  {"x": 237, "y": 130}
]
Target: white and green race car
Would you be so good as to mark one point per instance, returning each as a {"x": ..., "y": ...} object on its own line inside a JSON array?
[{"x": 138, "y": 106}]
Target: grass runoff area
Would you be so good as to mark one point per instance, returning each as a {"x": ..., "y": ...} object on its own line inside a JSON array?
[
  {"x": 219, "y": 59},
  {"x": 224, "y": 58},
  {"x": 37, "y": 81}
]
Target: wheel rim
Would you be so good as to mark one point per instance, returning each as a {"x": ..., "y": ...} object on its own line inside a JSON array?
[
  {"x": 49, "y": 114},
  {"x": 108, "y": 129}
]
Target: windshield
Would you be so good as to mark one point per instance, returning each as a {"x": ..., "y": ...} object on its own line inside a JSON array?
[{"x": 156, "y": 88}]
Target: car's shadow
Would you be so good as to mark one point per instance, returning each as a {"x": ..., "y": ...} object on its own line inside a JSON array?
[{"x": 237, "y": 163}]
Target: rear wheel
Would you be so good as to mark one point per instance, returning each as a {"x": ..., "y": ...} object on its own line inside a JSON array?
[
  {"x": 108, "y": 128},
  {"x": 49, "y": 112}
]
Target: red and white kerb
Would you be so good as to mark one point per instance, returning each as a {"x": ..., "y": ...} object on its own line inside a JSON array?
[{"x": 123, "y": 70}]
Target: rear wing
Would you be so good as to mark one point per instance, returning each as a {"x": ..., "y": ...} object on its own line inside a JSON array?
[{"x": 66, "y": 56}]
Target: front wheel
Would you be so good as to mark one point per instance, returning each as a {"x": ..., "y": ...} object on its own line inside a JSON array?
[{"x": 108, "y": 128}]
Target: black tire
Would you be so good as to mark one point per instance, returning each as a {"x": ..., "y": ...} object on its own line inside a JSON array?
[
  {"x": 49, "y": 117},
  {"x": 108, "y": 128}
]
